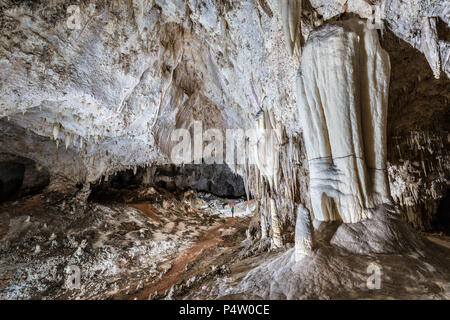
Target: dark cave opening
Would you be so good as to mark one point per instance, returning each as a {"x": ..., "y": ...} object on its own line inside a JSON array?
[
  {"x": 20, "y": 176},
  {"x": 11, "y": 179},
  {"x": 443, "y": 30},
  {"x": 442, "y": 221},
  {"x": 216, "y": 179},
  {"x": 126, "y": 180}
]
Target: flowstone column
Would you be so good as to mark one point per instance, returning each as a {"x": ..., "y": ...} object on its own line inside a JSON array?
[{"x": 342, "y": 85}]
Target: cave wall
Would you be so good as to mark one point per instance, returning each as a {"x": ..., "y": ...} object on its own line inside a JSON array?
[
  {"x": 418, "y": 133},
  {"x": 58, "y": 161},
  {"x": 20, "y": 177}
]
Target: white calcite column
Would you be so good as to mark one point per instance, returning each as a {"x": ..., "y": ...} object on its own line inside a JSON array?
[
  {"x": 277, "y": 239},
  {"x": 303, "y": 234},
  {"x": 342, "y": 85}
]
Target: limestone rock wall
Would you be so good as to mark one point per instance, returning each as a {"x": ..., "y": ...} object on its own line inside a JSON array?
[{"x": 114, "y": 89}]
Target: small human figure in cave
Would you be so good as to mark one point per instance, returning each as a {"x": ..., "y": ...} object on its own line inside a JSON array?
[{"x": 232, "y": 211}]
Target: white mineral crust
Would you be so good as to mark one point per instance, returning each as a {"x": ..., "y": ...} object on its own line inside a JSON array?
[{"x": 343, "y": 107}]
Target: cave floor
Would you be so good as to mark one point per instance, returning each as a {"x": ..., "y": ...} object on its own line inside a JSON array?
[
  {"x": 152, "y": 244},
  {"x": 333, "y": 273},
  {"x": 136, "y": 246}
]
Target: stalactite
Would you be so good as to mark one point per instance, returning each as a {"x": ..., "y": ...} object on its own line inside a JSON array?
[
  {"x": 56, "y": 128},
  {"x": 271, "y": 177},
  {"x": 68, "y": 139},
  {"x": 291, "y": 11},
  {"x": 430, "y": 45}
]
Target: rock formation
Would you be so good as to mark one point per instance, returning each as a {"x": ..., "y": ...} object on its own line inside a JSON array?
[{"x": 344, "y": 105}]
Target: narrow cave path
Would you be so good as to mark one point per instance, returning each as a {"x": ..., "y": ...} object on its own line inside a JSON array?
[{"x": 209, "y": 239}]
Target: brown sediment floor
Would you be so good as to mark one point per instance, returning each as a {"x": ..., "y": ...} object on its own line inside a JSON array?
[
  {"x": 132, "y": 244},
  {"x": 212, "y": 249}
]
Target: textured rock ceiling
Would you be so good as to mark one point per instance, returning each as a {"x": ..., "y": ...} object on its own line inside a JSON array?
[{"x": 115, "y": 89}]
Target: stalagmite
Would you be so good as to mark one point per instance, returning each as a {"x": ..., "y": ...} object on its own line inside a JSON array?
[
  {"x": 303, "y": 234},
  {"x": 342, "y": 85},
  {"x": 263, "y": 226},
  {"x": 68, "y": 139}
]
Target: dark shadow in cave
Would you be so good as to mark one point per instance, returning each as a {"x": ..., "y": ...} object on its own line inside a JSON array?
[
  {"x": 126, "y": 180},
  {"x": 443, "y": 30},
  {"x": 408, "y": 95},
  {"x": 11, "y": 179},
  {"x": 442, "y": 221},
  {"x": 216, "y": 179},
  {"x": 20, "y": 177}
]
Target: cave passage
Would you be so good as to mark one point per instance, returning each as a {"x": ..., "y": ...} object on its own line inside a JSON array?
[{"x": 282, "y": 149}]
